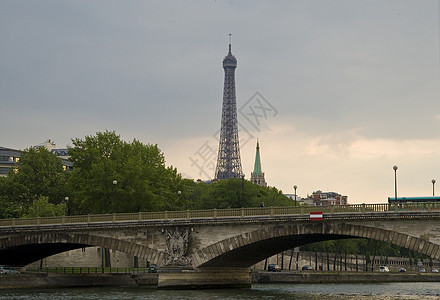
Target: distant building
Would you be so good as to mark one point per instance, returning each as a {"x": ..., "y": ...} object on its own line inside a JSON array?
[
  {"x": 328, "y": 198},
  {"x": 257, "y": 176},
  {"x": 62, "y": 154},
  {"x": 8, "y": 159},
  {"x": 48, "y": 144},
  {"x": 299, "y": 200}
]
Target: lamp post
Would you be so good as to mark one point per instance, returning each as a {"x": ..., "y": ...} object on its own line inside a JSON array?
[
  {"x": 66, "y": 200},
  {"x": 295, "y": 187},
  {"x": 395, "y": 182},
  {"x": 242, "y": 190},
  {"x": 433, "y": 183},
  {"x": 115, "y": 182}
]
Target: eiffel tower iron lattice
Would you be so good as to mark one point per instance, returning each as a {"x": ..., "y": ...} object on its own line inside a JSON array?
[{"x": 228, "y": 159}]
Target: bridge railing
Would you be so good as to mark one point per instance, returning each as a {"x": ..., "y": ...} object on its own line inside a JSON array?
[{"x": 221, "y": 213}]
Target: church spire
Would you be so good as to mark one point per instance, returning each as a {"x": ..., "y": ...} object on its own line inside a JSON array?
[
  {"x": 257, "y": 176},
  {"x": 257, "y": 165}
]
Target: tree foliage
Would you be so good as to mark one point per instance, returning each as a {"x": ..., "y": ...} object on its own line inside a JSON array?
[
  {"x": 8, "y": 207},
  {"x": 111, "y": 175},
  {"x": 233, "y": 193},
  {"x": 367, "y": 247},
  {"x": 43, "y": 208},
  {"x": 39, "y": 173}
]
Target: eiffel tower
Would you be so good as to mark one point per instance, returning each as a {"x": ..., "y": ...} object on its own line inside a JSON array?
[{"x": 228, "y": 159}]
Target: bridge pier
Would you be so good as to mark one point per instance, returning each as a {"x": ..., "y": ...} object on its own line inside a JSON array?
[{"x": 204, "y": 278}]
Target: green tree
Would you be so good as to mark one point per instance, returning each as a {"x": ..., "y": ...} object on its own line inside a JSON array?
[
  {"x": 38, "y": 173},
  {"x": 42, "y": 208},
  {"x": 369, "y": 248},
  {"x": 8, "y": 207},
  {"x": 235, "y": 193},
  {"x": 111, "y": 175}
]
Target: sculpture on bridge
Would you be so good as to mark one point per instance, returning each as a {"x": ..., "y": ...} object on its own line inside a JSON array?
[{"x": 177, "y": 247}]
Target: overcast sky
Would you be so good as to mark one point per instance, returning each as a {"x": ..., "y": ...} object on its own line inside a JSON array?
[{"x": 337, "y": 92}]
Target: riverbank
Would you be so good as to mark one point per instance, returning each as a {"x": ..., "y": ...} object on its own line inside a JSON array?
[
  {"x": 340, "y": 277},
  {"x": 53, "y": 280}
]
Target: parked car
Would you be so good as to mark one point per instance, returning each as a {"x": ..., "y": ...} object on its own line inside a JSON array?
[
  {"x": 274, "y": 268},
  {"x": 307, "y": 268},
  {"x": 8, "y": 270},
  {"x": 402, "y": 270},
  {"x": 421, "y": 270},
  {"x": 384, "y": 269},
  {"x": 434, "y": 271},
  {"x": 153, "y": 268}
]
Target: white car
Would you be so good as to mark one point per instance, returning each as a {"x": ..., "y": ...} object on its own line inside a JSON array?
[
  {"x": 8, "y": 270},
  {"x": 384, "y": 269}
]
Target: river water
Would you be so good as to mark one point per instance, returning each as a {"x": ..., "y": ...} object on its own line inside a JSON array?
[{"x": 388, "y": 291}]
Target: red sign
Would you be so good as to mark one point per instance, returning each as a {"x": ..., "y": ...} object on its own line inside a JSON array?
[{"x": 316, "y": 216}]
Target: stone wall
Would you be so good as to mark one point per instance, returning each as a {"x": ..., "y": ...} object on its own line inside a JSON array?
[
  {"x": 89, "y": 257},
  {"x": 72, "y": 280},
  {"x": 341, "y": 277}
]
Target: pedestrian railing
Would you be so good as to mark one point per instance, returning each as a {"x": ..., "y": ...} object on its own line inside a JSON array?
[
  {"x": 223, "y": 213},
  {"x": 87, "y": 270}
]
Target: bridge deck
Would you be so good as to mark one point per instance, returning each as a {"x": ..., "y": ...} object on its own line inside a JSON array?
[{"x": 297, "y": 213}]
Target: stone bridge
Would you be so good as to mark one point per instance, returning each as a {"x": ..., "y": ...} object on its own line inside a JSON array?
[{"x": 216, "y": 248}]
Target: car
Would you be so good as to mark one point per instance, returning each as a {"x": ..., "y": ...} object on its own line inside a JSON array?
[
  {"x": 402, "y": 270},
  {"x": 384, "y": 269},
  {"x": 307, "y": 268},
  {"x": 274, "y": 268},
  {"x": 434, "y": 270},
  {"x": 153, "y": 268},
  {"x": 8, "y": 270},
  {"x": 422, "y": 270}
]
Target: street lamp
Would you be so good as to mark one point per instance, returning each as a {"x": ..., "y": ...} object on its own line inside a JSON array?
[
  {"x": 295, "y": 187},
  {"x": 433, "y": 182},
  {"x": 395, "y": 182},
  {"x": 242, "y": 190},
  {"x": 66, "y": 200},
  {"x": 115, "y": 182}
]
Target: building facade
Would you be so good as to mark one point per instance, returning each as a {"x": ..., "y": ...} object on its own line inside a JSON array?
[
  {"x": 328, "y": 198},
  {"x": 8, "y": 159}
]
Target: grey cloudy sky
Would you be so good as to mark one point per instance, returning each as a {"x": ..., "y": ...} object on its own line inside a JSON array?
[{"x": 351, "y": 87}]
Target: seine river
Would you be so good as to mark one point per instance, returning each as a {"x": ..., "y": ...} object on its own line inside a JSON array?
[{"x": 413, "y": 290}]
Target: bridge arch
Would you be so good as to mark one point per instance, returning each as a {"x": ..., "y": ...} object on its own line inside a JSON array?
[
  {"x": 24, "y": 249},
  {"x": 245, "y": 250}
]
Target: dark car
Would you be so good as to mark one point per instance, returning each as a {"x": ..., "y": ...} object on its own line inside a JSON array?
[
  {"x": 307, "y": 268},
  {"x": 402, "y": 270},
  {"x": 274, "y": 268},
  {"x": 153, "y": 268}
]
